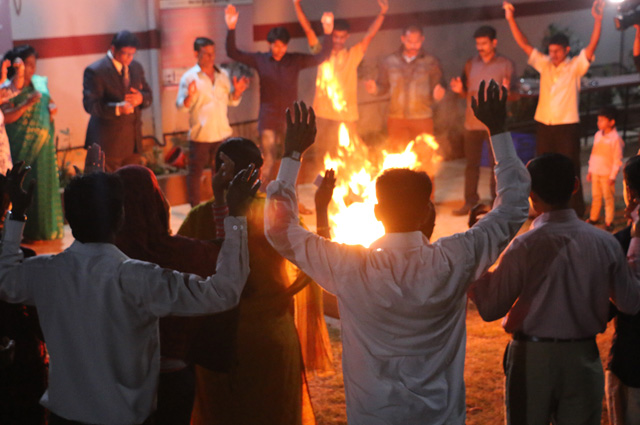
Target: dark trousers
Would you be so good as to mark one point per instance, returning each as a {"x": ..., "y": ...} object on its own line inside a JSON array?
[
  {"x": 200, "y": 155},
  {"x": 57, "y": 420},
  {"x": 563, "y": 139},
  {"x": 553, "y": 382},
  {"x": 473, "y": 141},
  {"x": 176, "y": 394}
]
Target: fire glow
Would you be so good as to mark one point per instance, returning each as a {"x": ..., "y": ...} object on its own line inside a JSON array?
[{"x": 351, "y": 213}]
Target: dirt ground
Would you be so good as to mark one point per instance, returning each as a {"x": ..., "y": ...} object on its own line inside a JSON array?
[{"x": 484, "y": 377}]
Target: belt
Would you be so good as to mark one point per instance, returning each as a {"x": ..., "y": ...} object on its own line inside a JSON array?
[{"x": 519, "y": 336}]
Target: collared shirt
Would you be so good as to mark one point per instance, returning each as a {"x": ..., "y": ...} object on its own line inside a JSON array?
[
  {"x": 99, "y": 313},
  {"x": 402, "y": 301},
  {"x": 409, "y": 84},
  {"x": 476, "y": 70},
  {"x": 555, "y": 281},
  {"x": 278, "y": 79},
  {"x": 337, "y": 81},
  {"x": 208, "y": 121},
  {"x": 559, "y": 87},
  {"x": 606, "y": 154}
]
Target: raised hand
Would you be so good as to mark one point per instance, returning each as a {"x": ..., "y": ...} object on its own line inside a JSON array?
[
  {"x": 241, "y": 191},
  {"x": 231, "y": 17},
  {"x": 301, "y": 130},
  {"x": 327, "y": 22},
  {"x": 508, "y": 10},
  {"x": 325, "y": 191},
  {"x": 3, "y": 72},
  {"x": 597, "y": 10},
  {"x": 240, "y": 85},
  {"x": 456, "y": 85},
  {"x": 491, "y": 108},
  {"x": 384, "y": 6},
  {"x": 20, "y": 198},
  {"x": 222, "y": 178},
  {"x": 371, "y": 86},
  {"x": 94, "y": 161},
  {"x": 438, "y": 92}
]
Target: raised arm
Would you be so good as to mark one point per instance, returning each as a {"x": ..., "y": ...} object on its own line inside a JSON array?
[
  {"x": 231, "y": 19},
  {"x": 312, "y": 38},
  {"x": 597, "y": 11},
  {"x": 322, "y": 260},
  {"x": 376, "y": 24},
  {"x": 520, "y": 38},
  {"x": 483, "y": 243}
]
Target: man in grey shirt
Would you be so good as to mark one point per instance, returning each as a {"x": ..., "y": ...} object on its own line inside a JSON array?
[
  {"x": 487, "y": 65},
  {"x": 554, "y": 284}
]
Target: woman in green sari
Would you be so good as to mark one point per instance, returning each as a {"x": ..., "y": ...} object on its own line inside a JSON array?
[{"x": 31, "y": 137}]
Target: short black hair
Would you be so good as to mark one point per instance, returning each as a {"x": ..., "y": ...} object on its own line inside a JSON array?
[
  {"x": 486, "y": 31},
  {"x": 201, "y": 42},
  {"x": 93, "y": 206},
  {"x": 552, "y": 178},
  {"x": 242, "y": 151},
  {"x": 412, "y": 28},
  {"x": 631, "y": 173},
  {"x": 23, "y": 52},
  {"x": 278, "y": 33},
  {"x": 404, "y": 192},
  {"x": 341, "y": 25},
  {"x": 124, "y": 39},
  {"x": 559, "y": 39},
  {"x": 609, "y": 112}
]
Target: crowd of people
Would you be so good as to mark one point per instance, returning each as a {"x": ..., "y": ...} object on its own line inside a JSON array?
[{"x": 219, "y": 323}]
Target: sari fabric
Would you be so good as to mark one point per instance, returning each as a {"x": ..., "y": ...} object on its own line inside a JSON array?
[
  {"x": 31, "y": 139},
  {"x": 267, "y": 383}
]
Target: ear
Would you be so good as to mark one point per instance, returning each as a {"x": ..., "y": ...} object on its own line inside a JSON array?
[
  {"x": 495, "y": 43},
  {"x": 568, "y": 50},
  {"x": 112, "y": 49},
  {"x": 576, "y": 186},
  {"x": 378, "y": 211}
]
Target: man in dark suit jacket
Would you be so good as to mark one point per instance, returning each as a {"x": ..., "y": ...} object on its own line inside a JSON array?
[{"x": 114, "y": 93}]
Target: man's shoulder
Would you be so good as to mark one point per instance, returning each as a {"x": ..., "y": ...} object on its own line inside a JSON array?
[{"x": 100, "y": 64}]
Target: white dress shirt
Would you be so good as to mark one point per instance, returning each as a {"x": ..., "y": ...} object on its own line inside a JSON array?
[
  {"x": 402, "y": 301},
  {"x": 99, "y": 313},
  {"x": 208, "y": 120},
  {"x": 606, "y": 154},
  {"x": 555, "y": 281},
  {"x": 559, "y": 88}
]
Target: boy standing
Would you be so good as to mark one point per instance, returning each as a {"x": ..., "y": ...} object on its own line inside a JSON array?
[{"x": 604, "y": 163}]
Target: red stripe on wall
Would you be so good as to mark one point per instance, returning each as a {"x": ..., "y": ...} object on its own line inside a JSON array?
[
  {"x": 438, "y": 17},
  {"x": 85, "y": 44}
]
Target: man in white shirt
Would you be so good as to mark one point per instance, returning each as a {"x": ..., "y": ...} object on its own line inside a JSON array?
[
  {"x": 557, "y": 112},
  {"x": 205, "y": 92},
  {"x": 99, "y": 310},
  {"x": 554, "y": 284},
  {"x": 402, "y": 301}
]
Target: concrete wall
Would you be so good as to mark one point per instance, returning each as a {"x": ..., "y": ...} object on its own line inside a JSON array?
[{"x": 452, "y": 43}]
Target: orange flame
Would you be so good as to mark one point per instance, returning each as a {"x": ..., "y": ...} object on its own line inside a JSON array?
[
  {"x": 351, "y": 213},
  {"x": 328, "y": 83}
]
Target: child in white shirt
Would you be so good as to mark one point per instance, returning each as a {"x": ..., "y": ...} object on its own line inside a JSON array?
[{"x": 604, "y": 163}]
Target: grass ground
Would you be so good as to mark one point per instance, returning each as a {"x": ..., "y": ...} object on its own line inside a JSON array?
[{"x": 483, "y": 375}]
